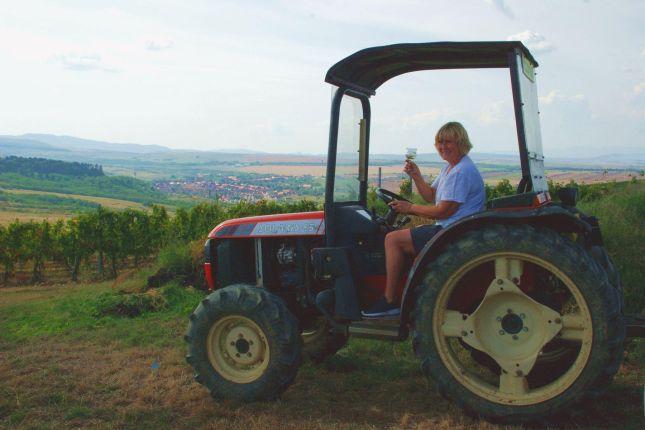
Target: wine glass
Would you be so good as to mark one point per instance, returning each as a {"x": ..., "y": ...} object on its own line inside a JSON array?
[{"x": 410, "y": 154}]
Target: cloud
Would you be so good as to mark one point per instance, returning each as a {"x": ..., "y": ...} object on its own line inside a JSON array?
[
  {"x": 82, "y": 62},
  {"x": 159, "y": 45},
  {"x": 554, "y": 96},
  {"x": 639, "y": 88},
  {"x": 423, "y": 119},
  {"x": 534, "y": 41},
  {"x": 643, "y": 52},
  {"x": 501, "y": 6},
  {"x": 492, "y": 113}
]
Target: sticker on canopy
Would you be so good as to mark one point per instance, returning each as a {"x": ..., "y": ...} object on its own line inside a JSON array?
[
  {"x": 528, "y": 68},
  {"x": 285, "y": 228}
]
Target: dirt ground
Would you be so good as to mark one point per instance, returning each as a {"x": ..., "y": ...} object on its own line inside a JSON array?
[{"x": 68, "y": 385}]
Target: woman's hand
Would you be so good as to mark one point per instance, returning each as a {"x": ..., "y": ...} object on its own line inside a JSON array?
[
  {"x": 412, "y": 169},
  {"x": 401, "y": 206}
]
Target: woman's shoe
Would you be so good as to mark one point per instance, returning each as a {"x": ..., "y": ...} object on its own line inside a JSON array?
[{"x": 381, "y": 309}]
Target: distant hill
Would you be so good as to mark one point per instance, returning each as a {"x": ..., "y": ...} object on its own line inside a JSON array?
[
  {"x": 17, "y": 146},
  {"x": 75, "y": 143},
  {"x": 159, "y": 162}
]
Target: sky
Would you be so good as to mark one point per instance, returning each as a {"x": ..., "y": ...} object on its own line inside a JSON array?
[{"x": 212, "y": 75}]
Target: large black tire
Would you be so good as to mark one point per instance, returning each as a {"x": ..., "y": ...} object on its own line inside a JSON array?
[
  {"x": 237, "y": 321},
  {"x": 573, "y": 261},
  {"x": 618, "y": 342},
  {"x": 319, "y": 341}
]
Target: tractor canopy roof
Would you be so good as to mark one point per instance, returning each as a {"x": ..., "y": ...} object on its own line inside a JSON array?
[{"x": 368, "y": 69}]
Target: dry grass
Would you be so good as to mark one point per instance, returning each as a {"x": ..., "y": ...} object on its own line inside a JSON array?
[
  {"x": 7, "y": 217},
  {"x": 69, "y": 385},
  {"x": 94, "y": 380}
]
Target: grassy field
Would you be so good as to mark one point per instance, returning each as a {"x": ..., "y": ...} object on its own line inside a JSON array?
[{"x": 63, "y": 366}]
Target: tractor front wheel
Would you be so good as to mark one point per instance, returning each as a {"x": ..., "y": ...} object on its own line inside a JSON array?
[
  {"x": 244, "y": 344},
  {"x": 499, "y": 306}
]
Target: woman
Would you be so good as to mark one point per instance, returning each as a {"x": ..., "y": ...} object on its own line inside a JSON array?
[{"x": 457, "y": 192}]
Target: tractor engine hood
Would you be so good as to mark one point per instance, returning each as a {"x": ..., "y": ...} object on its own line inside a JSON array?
[{"x": 293, "y": 224}]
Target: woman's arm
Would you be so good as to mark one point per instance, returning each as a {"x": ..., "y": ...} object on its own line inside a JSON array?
[
  {"x": 425, "y": 190},
  {"x": 445, "y": 209}
]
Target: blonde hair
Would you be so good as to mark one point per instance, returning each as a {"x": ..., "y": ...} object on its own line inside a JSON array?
[{"x": 455, "y": 131}]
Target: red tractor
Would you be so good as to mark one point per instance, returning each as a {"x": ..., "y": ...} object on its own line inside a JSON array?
[{"x": 515, "y": 312}]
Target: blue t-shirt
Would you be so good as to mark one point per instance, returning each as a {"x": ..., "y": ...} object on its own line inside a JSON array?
[{"x": 463, "y": 184}]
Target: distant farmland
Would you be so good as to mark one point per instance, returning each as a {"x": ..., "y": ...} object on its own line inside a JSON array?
[{"x": 491, "y": 175}]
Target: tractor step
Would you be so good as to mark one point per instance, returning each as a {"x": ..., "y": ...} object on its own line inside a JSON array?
[
  {"x": 384, "y": 329},
  {"x": 635, "y": 325}
]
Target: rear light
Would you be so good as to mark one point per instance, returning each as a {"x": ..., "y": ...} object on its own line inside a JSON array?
[
  {"x": 541, "y": 198},
  {"x": 208, "y": 274},
  {"x": 208, "y": 268}
]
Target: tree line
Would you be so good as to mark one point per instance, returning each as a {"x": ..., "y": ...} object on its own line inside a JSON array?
[
  {"x": 105, "y": 241},
  {"x": 30, "y": 165}
]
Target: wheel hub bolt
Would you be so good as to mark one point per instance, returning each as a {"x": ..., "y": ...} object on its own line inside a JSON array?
[
  {"x": 522, "y": 316},
  {"x": 515, "y": 337},
  {"x": 509, "y": 310},
  {"x": 525, "y": 329},
  {"x": 558, "y": 321},
  {"x": 519, "y": 373},
  {"x": 502, "y": 332},
  {"x": 237, "y": 355},
  {"x": 249, "y": 354},
  {"x": 498, "y": 319},
  {"x": 464, "y": 333},
  {"x": 500, "y": 282},
  {"x": 250, "y": 342},
  {"x": 232, "y": 343},
  {"x": 516, "y": 281}
]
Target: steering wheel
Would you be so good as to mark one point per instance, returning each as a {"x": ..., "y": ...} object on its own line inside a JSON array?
[{"x": 388, "y": 197}]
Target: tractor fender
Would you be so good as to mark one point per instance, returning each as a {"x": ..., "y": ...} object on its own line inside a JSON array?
[{"x": 554, "y": 217}]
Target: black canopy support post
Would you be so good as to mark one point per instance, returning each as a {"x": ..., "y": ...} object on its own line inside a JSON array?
[
  {"x": 525, "y": 183},
  {"x": 331, "y": 166},
  {"x": 367, "y": 115}
]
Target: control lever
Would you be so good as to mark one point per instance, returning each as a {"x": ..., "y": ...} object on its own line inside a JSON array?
[{"x": 402, "y": 221}]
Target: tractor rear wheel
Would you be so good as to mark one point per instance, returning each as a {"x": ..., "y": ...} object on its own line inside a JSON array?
[
  {"x": 518, "y": 324},
  {"x": 244, "y": 344}
]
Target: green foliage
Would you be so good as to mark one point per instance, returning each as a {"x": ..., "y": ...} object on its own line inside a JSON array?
[
  {"x": 82, "y": 313},
  {"x": 116, "y": 237},
  {"x": 621, "y": 213},
  {"x": 129, "y": 304},
  {"x": 501, "y": 189},
  {"x": 405, "y": 189},
  {"x": 176, "y": 259},
  {"x": 587, "y": 192}
]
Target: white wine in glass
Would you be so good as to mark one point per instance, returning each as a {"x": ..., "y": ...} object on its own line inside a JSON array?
[{"x": 410, "y": 154}]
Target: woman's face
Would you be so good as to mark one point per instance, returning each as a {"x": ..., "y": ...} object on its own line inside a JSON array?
[{"x": 448, "y": 149}]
